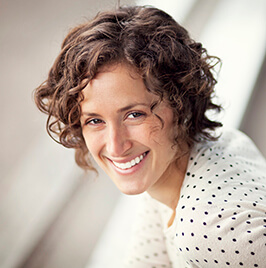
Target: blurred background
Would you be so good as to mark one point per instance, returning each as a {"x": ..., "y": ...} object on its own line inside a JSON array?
[{"x": 52, "y": 215}]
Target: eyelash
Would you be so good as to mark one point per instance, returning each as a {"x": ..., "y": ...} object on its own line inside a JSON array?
[
  {"x": 96, "y": 121},
  {"x": 92, "y": 121},
  {"x": 135, "y": 114}
]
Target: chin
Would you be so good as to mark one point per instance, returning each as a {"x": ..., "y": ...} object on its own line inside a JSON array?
[
  {"x": 131, "y": 189},
  {"x": 132, "y": 192}
]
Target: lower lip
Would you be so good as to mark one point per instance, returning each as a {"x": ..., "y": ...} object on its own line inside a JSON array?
[{"x": 132, "y": 169}]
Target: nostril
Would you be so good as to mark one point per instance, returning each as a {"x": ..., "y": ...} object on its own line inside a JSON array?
[{"x": 118, "y": 148}]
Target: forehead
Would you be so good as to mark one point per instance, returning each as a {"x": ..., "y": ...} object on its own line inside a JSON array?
[{"x": 116, "y": 85}]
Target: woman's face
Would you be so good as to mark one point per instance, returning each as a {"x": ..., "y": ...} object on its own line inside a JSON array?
[{"x": 125, "y": 138}]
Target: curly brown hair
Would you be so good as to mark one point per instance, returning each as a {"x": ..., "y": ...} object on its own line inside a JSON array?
[{"x": 172, "y": 65}]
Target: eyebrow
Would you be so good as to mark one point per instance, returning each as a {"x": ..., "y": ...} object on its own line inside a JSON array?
[
  {"x": 123, "y": 109},
  {"x": 130, "y": 106}
]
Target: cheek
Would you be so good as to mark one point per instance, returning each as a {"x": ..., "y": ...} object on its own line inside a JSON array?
[
  {"x": 92, "y": 143},
  {"x": 148, "y": 134},
  {"x": 164, "y": 124},
  {"x": 162, "y": 133}
]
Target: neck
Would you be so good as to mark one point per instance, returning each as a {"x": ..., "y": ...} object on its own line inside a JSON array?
[{"x": 167, "y": 188}]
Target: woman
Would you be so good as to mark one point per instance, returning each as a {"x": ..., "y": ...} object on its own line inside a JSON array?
[{"x": 131, "y": 89}]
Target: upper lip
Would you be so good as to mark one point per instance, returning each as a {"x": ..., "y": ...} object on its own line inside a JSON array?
[{"x": 122, "y": 161}]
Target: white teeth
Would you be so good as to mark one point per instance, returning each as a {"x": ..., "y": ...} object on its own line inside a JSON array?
[{"x": 131, "y": 163}]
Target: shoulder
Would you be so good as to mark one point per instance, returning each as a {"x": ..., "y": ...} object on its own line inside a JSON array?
[
  {"x": 221, "y": 215},
  {"x": 232, "y": 158},
  {"x": 228, "y": 171}
]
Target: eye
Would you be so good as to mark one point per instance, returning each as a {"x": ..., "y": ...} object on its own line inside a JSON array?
[
  {"x": 135, "y": 115},
  {"x": 94, "y": 121}
]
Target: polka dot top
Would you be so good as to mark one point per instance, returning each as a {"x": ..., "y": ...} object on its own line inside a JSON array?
[{"x": 220, "y": 217}]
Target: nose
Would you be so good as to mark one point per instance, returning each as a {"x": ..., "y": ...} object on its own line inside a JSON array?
[{"x": 117, "y": 142}]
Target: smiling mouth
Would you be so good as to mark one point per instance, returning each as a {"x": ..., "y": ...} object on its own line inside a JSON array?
[{"x": 131, "y": 163}]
